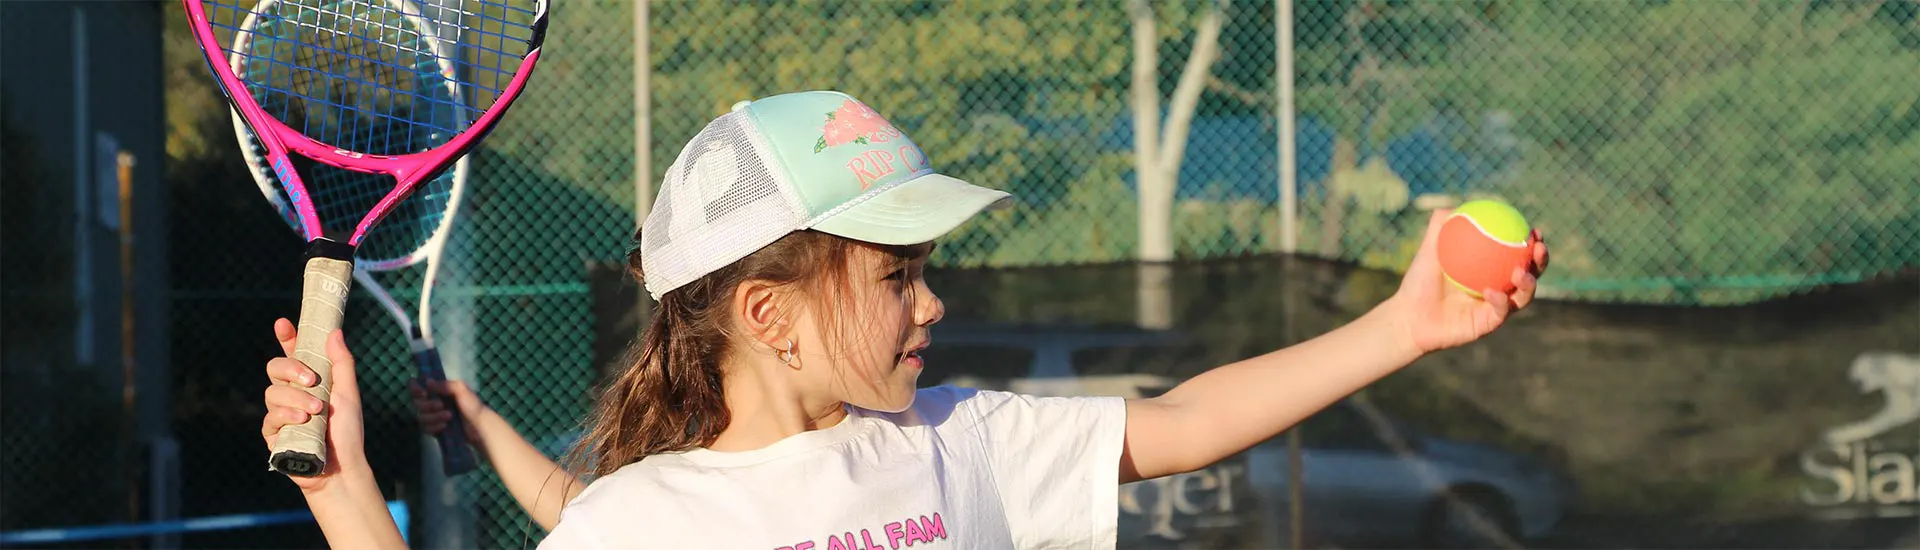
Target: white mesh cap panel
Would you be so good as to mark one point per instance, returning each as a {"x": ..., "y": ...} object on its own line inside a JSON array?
[{"x": 718, "y": 204}]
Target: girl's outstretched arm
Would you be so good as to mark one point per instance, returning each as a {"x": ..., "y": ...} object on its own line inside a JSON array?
[
  {"x": 539, "y": 484},
  {"x": 1231, "y": 408},
  {"x": 344, "y": 498}
]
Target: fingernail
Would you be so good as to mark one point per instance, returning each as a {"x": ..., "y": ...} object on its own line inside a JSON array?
[{"x": 314, "y": 406}]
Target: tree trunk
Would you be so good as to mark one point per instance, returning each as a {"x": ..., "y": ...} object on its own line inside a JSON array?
[
  {"x": 1157, "y": 157},
  {"x": 1156, "y": 243}
]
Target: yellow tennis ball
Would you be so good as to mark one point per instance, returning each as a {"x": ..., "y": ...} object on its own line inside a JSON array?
[{"x": 1480, "y": 245}]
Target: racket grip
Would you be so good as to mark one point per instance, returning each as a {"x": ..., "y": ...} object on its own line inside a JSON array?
[
  {"x": 456, "y": 456},
  {"x": 301, "y": 450}
]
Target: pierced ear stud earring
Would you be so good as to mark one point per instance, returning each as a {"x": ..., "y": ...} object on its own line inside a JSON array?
[{"x": 786, "y": 355}]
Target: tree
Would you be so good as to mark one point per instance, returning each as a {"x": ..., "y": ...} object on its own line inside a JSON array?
[
  {"x": 1711, "y": 152},
  {"x": 1157, "y": 155},
  {"x": 1682, "y": 151},
  {"x": 1004, "y": 94},
  {"x": 1373, "y": 71}
]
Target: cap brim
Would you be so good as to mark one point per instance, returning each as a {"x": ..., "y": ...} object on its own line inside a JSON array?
[{"x": 916, "y": 211}]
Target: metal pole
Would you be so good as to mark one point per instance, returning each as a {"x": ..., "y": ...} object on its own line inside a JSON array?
[
  {"x": 642, "y": 115},
  {"x": 642, "y": 138},
  {"x": 128, "y": 390},
  {"x": 1283, "y": 75},
  {"x": 83, "y": 197},
  {"x": 1289, "y": 243}
]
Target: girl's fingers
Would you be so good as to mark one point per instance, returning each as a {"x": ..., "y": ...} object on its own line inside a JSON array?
[
  {"x": 463, "y": 396},
  {"x": 1524, "y": 285},
  {"x": 1539, "y": 253},
  {"x": 285, "y": 370},
  {"x": 283, "y": 331},
  {"x": 433, "y": 424},
  {"x": 1430, "y": 242},
  {"x": 278, "y": 418},
  {"x": 288, "y": 397},
  {"x": 1500, "y": 303},
  {"x": 1522, "y": 280},
  {"x": 343, "y": 373}
]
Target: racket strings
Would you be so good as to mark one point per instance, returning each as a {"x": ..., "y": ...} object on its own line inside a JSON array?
[
  {"x": 492, "y": 36},
  {"x": 348, "y": 74},
  {"x": 405, "y": 229},
  {"x": 352, "y": 91},
  {"x": 376, "y": 77},
  {"x": 374, "y": 59},
  {"x": 409, "y": 228},
  {"x": 360, "y": 77},
  {"x": 340, "y": 112}
]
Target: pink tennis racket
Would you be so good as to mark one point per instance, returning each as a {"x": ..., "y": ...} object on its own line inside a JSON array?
[{"x": 360, "y": 85}]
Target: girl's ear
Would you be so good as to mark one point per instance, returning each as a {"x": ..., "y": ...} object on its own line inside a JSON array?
[{"x": 762, "y": 310}]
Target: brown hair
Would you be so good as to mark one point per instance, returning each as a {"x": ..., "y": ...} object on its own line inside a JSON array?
[{"x": 669, "y": 397}]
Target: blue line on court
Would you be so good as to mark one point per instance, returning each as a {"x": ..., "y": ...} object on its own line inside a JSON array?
[{"x": 211, "y": 523}]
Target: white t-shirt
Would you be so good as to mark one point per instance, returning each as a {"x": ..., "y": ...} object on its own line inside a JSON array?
[{"x": 962, "y": 468}]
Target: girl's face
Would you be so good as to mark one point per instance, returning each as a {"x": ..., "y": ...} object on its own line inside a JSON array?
[{"x": 880, "y": 331}]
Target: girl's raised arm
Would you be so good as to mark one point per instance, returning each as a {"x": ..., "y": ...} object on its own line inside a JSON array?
[{"x": 1231, "y": 408}]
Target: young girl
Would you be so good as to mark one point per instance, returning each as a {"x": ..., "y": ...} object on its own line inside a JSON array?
[{"x": 771, "y": 403}]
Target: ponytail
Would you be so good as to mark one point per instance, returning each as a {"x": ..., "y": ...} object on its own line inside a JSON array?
[{"x": 670, "y": 397}]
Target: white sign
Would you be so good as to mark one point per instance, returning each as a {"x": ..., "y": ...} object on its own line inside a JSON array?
[{"x": 1863, "y": 469}]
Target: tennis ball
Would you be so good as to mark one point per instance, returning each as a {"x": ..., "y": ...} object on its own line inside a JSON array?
[{"x": 1481, "y": 244}]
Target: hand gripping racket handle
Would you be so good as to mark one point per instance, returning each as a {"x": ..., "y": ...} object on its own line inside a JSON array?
[
  {"x": 456, "y": 457},
  {"x": 301, "y": 450}
]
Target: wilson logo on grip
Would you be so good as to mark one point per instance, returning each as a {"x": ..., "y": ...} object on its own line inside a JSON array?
[{"x": 334, "y": 288}]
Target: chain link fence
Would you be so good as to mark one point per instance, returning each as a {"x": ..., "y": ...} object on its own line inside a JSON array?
[
  {"x": 1675, "y": 153},
  {"x": 1686, "y": 152}
]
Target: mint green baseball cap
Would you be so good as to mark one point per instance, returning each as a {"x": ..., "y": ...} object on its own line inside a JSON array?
[{"x": 818, "y": 160}]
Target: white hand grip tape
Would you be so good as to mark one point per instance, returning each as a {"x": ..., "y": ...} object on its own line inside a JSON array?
[{"x": 301, "y": 450}]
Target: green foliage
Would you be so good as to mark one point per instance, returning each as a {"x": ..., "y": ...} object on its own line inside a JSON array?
[
  {"x": 1373, "y": 69},
  {"x": 1004, "y": 94},
  {"x": 1697, "y": 152},
  {"x": 1733, "y": 146}
]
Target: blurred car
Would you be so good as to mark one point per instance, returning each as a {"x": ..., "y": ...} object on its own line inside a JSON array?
[{"x": 1367, "y": 479}]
